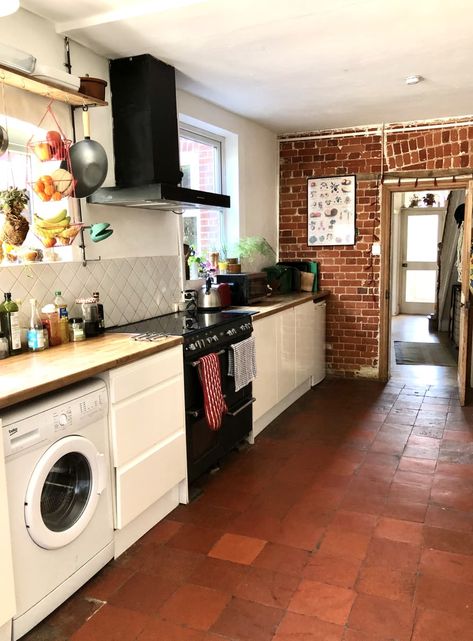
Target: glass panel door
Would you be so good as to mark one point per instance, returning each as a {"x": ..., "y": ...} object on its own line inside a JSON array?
[{"x": 420, "y": 238}]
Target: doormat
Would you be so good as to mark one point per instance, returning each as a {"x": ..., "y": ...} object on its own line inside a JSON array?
[{"x": 423, "y": 354}]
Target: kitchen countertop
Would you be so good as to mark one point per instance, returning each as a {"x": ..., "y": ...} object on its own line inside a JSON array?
[
  {"x": 30, "y": 374},
  {"x": 275, "y": 304}
]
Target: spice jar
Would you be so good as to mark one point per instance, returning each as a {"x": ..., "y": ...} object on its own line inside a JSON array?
[
  {"x": 76, "y": 330},
  {"x": 4, "y": 351}
]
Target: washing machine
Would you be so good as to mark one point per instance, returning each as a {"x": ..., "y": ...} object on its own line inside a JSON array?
[{"x": 59, "y": 496}]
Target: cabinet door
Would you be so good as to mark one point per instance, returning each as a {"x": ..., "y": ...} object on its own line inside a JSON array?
[
  {"x": 318, "y": 373},
  {"x": 7, "y": 589},
  {"x": 286, "y": 352},
  {"x": 305, "y": 341},
  {"x": 265, "y": 388}
]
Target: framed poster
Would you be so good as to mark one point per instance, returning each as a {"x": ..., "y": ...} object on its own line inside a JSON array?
[{"x": 331, "y": 210}]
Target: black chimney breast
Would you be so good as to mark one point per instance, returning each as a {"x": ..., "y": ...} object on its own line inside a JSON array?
[{"x": 145, "y": 126}]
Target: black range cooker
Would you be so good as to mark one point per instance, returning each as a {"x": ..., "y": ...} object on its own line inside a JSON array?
[{"x": 203, "y": 334}]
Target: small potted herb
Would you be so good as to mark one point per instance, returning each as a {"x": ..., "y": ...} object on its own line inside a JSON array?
[{"x": 13, "y": 201}]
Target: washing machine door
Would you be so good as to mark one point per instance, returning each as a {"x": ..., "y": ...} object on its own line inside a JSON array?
[{"x": 64, "y": 491}]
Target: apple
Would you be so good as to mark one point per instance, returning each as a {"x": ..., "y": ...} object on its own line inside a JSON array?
[
  {"x": 54, "y": 139},
  {"x": 43, "y": 151}
]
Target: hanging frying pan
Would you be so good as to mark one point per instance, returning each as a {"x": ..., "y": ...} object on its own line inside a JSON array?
[
  {"x": 3, "y": 140},
  {"x": 88, "y": 162}
]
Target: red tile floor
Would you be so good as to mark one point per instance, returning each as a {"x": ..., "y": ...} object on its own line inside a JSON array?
[{"x": 349, "y": 519}]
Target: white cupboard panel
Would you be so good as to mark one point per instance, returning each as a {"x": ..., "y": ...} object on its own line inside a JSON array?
[
  {"x": 152, "y": 370},
  {"x": 145, "y": 480},
  {"x": 139, "y": 422},
  {"x": 319, "y": 369},
  {"x": 286, "y": 352},
  {"x": 305, "y": 341},
  {"x": 7, "y": 588},
  {"x": 265, "y": 388}
]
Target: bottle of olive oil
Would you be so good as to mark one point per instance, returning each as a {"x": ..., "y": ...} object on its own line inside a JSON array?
[{"x": 10, "y": 323}]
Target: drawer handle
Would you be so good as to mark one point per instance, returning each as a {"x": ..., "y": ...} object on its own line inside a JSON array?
[{"x": 244, "y": 406}]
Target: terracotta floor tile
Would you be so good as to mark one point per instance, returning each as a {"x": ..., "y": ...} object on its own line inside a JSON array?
[
  {"x": 339, "y": 542},
  {"x": 298, "y": 627},
  {"x": 396, "y": 530},
  {"x": 436, "y": 593},
  {"x": 354, "y": 521},
  {"x": 244, "y": 620},
  {"x": 267, "y": 587},
  {"x": 393, "y": 554},
  {"x": 144, "y": 593},
  {"x": 282, "y": 558},
  {"x": 106, "y": 582},
  {"x": 219, "y": 575},
  {"x": 421, "y": 466},
  {"x": 453, "y": 567},
  {"x": 171, "y": 563},
  {"x": 158, "y": 630},
  {"x": 387, "y": 582},
  {"x": 448, "y": 540},
  {"x": 327, "y": 602},
  {"x": 433, "y": 625},
  {"x": 194, "y": 606},
  {"x": 405, "y": 510},
  {"x": 336, "y": 570},
  {"x": 382, "y": 618},
  {"x": 237, "y": 548},
  {"x": 161, "y": 532},
  {"x": 114, "y": 623},
  {"x": 448, "y": 519},
  {"x": 297, "y": 532},
  {"x": 194, "y": 538}
]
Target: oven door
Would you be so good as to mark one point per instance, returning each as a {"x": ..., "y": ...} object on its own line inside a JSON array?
[{"x": 205, "y": 447}]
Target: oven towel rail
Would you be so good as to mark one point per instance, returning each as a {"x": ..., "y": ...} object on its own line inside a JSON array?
[
  {"x": 211, "y": 381},
  {"x": 242, "y": 362}
]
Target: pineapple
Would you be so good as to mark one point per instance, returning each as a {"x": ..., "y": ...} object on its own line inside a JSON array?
[{"x": 15, "y": 228}]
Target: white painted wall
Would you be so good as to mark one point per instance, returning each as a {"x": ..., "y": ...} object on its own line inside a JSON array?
[{"x": 252, "y": 151}]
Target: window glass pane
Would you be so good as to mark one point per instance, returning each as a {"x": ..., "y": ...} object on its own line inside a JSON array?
[
  {"x": 422, "y": 238},
  {"x": 420, "y": 285},
  {"x": 200, "y": 161}
]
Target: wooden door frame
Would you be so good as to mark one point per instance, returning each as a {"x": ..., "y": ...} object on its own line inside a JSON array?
[{"x": 387, "y": 191}]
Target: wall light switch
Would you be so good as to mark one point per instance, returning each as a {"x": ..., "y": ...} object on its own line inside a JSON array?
[{"x": 376, "y": 249}]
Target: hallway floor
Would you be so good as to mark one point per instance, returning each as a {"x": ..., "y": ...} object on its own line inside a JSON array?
[{"x": 349, "y": 519}]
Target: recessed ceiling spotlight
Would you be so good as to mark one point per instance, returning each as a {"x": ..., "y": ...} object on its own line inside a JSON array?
[
  {"x": 413, "y": 80},
  {"x": 7, "y": 7}
]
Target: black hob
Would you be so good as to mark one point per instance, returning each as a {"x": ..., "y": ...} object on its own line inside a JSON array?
[{"x": 199, "y": 331}]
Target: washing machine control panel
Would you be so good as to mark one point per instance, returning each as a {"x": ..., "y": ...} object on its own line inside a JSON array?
[{"x": 62, "y": 418}]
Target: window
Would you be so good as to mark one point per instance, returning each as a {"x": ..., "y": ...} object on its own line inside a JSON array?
[{"x": 201, "y": 163}]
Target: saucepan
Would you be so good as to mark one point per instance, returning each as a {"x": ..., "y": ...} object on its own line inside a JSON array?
[
  {"x": 89, "y": 162},
  {"x": 3, "y": 140}
]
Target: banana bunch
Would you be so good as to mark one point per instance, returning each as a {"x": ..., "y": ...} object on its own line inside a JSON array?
[{"x": 50, "y": 227}]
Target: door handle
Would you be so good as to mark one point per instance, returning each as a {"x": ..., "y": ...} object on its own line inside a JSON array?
[
  {"x": 404, "y": 264},
  {"x": 244, "y": 406}
]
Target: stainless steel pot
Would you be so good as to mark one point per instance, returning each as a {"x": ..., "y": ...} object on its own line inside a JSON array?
[{"x": 208, "y": 298}]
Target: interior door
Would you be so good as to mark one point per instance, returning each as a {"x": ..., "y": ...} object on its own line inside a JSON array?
[
  {"x": 464, "y": 352},
  {"x": 420, "y": 234}
]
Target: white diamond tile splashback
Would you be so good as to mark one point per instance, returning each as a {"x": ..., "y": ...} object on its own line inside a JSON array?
[{"x": 131, "y": 289}]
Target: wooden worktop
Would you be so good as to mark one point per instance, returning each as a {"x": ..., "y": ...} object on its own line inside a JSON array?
[
  {"x": 273, "y": 305},
  {"x": 27, "y": 375}
]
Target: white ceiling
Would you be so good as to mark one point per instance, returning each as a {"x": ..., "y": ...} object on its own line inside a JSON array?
[{"x": 293, "y": 65}]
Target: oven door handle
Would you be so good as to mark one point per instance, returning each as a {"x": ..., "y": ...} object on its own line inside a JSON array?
[
  {"x": 244, "y": 406},
  {"x": 195, "y": 363}
]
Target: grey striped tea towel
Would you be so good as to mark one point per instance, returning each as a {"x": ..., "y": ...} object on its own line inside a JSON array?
[{"x": 242, "y": 362}]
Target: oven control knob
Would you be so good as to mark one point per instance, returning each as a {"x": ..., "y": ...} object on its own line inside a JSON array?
[
  {"x": 209, "y": 339},
  {"x": 215, "y": 338},
  {"x": 191, "y": 346}
]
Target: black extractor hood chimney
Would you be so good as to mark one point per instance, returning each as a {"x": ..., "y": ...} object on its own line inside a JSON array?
[{"x": 146, "y": 140}]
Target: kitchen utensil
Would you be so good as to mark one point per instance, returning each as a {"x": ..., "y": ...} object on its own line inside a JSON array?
[
  {"x": 94, "y": 87},
  {"x": 89, "y": 162},
  {"x": 3, "y": 140},
  {"x": 100, "y": 231},
  {"x": 208, "y": 299},
  {"x": 225, "y": 293}
]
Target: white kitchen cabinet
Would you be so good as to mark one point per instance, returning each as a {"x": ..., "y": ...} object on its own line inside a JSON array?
[
  {"x": 148, "y": 441},
  {"x": 7, "y": 588},
  {"x": 265, "y": 387},
  {"x": 305, "y": 341},
  {"x": 319, "y": 367},
  {"x": 286, "y": 352}
]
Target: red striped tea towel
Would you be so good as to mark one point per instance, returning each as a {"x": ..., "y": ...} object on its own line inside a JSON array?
[{"x": 214, "y": 403}]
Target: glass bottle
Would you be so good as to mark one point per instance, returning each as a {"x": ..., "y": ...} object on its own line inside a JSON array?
[
  {"x": 35, "y": 333},
  {"x": 4, "y": 348},
  {"x": 101, "y": 317},
  {"x": 10, "y": 323},
  {"x": 62, "y": 314}
]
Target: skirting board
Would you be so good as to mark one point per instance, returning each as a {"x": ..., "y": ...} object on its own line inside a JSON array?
[{"x": 266, "y": 419}]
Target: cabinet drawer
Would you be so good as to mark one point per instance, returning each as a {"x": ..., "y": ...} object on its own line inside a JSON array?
[
  {"x": 140, "y": 422},
  {"x": 142, "y": 482},
  {"x": 136, "y": 377}
]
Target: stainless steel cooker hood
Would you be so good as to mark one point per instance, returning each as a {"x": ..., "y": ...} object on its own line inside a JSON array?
[{"x": 146, "y": 141}]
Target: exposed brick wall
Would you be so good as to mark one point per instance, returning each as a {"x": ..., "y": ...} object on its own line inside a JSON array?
[{"x": 350, "y": 272}]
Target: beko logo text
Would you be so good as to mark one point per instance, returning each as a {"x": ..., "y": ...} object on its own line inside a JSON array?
[{"x": 12, "y": 431}]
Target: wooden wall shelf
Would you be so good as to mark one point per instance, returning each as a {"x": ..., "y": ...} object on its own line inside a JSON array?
[{"x": 49, "y": 90}]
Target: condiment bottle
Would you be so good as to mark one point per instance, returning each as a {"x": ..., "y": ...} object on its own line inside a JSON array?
[
  {"x": 62, "y": 314},
  {"x": 10, "y": 323},
  {"x": 76, "y": 330},
  {"x": 35, "y": 333},
  {"x": 101, "y": 316}
]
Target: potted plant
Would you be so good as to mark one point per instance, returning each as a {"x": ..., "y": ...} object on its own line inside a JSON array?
[
  {"x": 429, "y": 200},
  {"x": 15, "y": 228},
  {"x": 256, "y": 252},
  {"x": 222, "y": 262}
]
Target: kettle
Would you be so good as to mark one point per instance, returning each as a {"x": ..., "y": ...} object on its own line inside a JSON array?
[{"x": 208, "y": 298}]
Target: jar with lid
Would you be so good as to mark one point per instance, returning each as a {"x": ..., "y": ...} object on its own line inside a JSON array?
[
  {"x": 4, "y": 348},
  {"x": 76, "y": 329}
]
